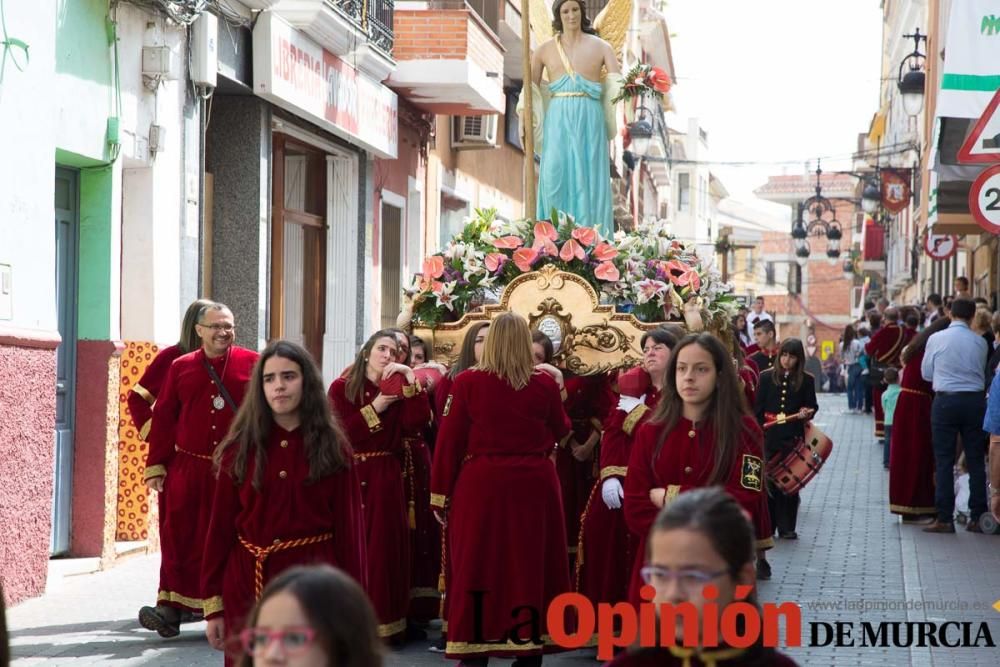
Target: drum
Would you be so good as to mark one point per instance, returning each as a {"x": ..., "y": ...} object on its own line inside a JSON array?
[{"x": 792, "y": 472}]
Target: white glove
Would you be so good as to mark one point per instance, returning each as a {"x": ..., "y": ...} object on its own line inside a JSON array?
[
  {"x": 628, "y": 403},
  {"x": 612, "y": 493}
]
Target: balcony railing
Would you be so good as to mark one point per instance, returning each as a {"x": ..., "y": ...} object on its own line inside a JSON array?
[{"x": 375, "y": 19}]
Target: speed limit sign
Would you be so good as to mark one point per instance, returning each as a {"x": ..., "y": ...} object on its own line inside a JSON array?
[
  {"x": 984, "y": 199},
  {"x": 940, "y": 246}
]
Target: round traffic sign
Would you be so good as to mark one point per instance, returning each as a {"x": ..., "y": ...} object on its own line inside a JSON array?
[
  {"x": 984, "y": 199},
  {"x": 940, "y": 246}
]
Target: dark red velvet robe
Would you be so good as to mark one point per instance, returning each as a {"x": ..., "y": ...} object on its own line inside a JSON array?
[
  {"x": 606, "y": 547},
  {"x": 287, "y": 507},
  {"x": 144, "y": 392},
  {"x": 378, "y": 442},
  {"x": 884, "y": 348},
  {"x": 911, "y": 456},
  {"x": 425, "y": 535},
  {"x": 186, "y": 430},
  {"x": 718, "y": 657},
  {"x": 588, "y": 403},
  {"x": 685, "y": 463},
  {"x": 506, "y": 530}
]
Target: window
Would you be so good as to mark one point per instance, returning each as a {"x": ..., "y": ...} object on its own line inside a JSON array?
[
  {"x": 683, "y": 192},
  {"x": 769, "y": 274},
  {"x": 511, "y": 122},
  {"x": 454, "y": 211},
  {"x": 392, "y": 281}
]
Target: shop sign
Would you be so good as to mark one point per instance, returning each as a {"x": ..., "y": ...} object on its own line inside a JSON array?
[{"x": 296, "y": 73}]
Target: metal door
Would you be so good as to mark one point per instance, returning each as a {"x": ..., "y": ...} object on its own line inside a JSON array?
[{"x": 67, "y": 199}]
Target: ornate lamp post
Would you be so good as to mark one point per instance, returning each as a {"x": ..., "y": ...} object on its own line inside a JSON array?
[{"x": 817, "y": 217}]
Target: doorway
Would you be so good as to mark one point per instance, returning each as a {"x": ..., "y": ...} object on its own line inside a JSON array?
[
  {"x": 67, "y": 207},
  {"x": 391, "y": 253}
]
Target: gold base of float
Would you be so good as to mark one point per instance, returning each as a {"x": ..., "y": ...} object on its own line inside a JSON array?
[{"x": 589, "y": 337}]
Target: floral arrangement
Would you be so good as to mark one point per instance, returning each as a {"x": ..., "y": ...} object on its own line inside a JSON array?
[
  {"x": 646, "y": 272},
  {"x": 643, "y": 79}
]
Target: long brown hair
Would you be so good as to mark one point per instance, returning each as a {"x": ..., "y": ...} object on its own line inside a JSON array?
[
  {"x": 546, "y": 343},
  {"x": 507, "y": 353},
  {"x": 726, "y": 408},
  {"x": 792, "y": 346},
  {"x": 467, "y": 355},
  {"x": 355, "y": 389},
  {"x": 849, "y": 335},
  {"x": 337, "y": 609},
  {"x": 189, "y": 340},
  {"x": 919, "y": 341},
  {"x": 325, "y": 443}
]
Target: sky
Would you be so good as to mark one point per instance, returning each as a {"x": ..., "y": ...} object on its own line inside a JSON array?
[{"x": 775, "y": 80}]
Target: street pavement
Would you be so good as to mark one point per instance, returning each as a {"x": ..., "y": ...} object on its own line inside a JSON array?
[{"x": 851, "y": 553}]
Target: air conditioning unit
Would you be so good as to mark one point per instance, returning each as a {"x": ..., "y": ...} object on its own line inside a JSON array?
[{"x": 472, "y": 132}]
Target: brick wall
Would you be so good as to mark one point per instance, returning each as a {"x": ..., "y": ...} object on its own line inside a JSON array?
[{"x": 446, "y": 34}]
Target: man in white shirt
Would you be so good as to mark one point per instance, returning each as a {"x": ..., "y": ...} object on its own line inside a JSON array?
[{"x": 757, "y": 314}]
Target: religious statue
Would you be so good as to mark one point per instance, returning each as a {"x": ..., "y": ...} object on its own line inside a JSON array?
[{"x": 575, "y": 115}]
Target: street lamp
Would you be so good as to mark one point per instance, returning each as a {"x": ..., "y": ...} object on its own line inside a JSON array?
[
  {"x": 871, "y": 197},
  {"x": 824, "y": 223},
  {"x": 911, "y": 85},
  {"x": 641, "y": 132}
]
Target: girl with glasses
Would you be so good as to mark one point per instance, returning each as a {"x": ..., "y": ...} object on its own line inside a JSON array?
[
  {"x": 701, "y": 434},
  {"x": 287, "y": 494},
  {"x": 701, "y": 538},
  {"x": 606, "y": 549},
  {"x": 495, "y": 485},
  {"x": 377, "y": 425},
  {"x": 312, "y": 617}
]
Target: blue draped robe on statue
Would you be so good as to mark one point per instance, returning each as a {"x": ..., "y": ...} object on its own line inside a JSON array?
[{"x": 575, "y": 174}]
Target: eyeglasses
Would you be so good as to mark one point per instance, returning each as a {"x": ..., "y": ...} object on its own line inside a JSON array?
[
  {"x": 218, "y": 327},
  {"x": 690, "y": 581},
  {"x": 293, "y": 640}
]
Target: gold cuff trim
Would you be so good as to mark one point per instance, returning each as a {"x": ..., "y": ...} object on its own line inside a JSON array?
[
  {"x": 673, "y": 490},
  {"x": 438, "y": 500},
  {"x": 390, "y": 629},
  {"x": 192, "y": 603},
  {"x": 464, "y": 648},
  {"x": 614, "y": 471},
  {"x": 144, "y": 393},
  {"x": 903, "y": 509},
  {"x": 766, "y": 543},
  {"x": 411, "y": 390},
  {"x": 213, "y": 605},
  {"x": 422, "y": 592},
  {"x": 638, "y": 412},
  {"x": 371, "y": 418},
  {"x": 154, "y": 471},
  {"x": 144, "y": 431}
]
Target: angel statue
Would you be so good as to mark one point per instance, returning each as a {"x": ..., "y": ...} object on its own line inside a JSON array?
[{"x": 574, "y": 113}]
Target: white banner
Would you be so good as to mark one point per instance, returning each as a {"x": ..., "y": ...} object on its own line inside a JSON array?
[{"x": 972, "y": 59}]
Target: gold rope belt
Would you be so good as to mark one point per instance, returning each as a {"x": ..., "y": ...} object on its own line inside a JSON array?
[
  {"x": 915, "y": 391},
  {"x": 364, "y": 456},
  {"x": 574, "y": 94},
  {"x": 190, "y": 453},
  {"x": 260, "y": 554}
]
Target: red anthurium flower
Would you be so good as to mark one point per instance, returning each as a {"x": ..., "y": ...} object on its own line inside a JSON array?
[
  {"x": 587, "y": 236},
  {"x": 545, "y": 230},
  {"x": 607, "y": 271},
  {"x": 659, "y": 80},
  {"x": 545, "y": 246},
  {"x": 508, "y": 242},
  {"x": 604, "y": 252},
  {"x": 494, "y": 261},
  {"x": 433, "y": 267},
  {"x": 524, "y": 258},
  {"x": 570, "y": 250}
]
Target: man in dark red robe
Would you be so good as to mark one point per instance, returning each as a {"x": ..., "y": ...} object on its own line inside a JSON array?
[
  {"x": 883, "y": 351},
  {"x": 190, "y": 418}
]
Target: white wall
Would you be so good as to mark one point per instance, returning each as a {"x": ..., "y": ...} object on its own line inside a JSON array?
[{"x": 27, "y": 172}]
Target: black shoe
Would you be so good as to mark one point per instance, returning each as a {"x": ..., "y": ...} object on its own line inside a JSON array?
[
  {"x": 790, "y": 535},
  {"x": 165, "y": 621},
  {"x": 438, "y": 645},
  {"x": 528, "y": 661},
  {"x": 940, "y": 527},
  {"x": 763, "y": 569},
  {"x": 474, "y": 662},
  {"x": 191, "y": 616}
]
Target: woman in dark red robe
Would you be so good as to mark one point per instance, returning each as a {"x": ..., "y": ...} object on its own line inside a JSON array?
[
  {"x": 700, "y": 435},
  {"x": 287, "y": 495},
  {"x": 376, "y": 426},
  {"x": 911, "y": 456},
  {"x": 495, "y": 485},
  {"x": 606, "y": 548}
]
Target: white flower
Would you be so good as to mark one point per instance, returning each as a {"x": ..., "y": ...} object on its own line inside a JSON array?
[
  {"x": 444, "y": 297},
  {"x": 472, "y": 266},
  {"x": 647, "y": 290}
]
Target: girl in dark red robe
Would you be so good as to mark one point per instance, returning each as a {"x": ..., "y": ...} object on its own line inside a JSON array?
[
  {"x": 287, "y": 495},
  {"x": 911, "y": 456},
  {"x": 606, "y": 548},
  {"x": 701, "y": 538},
  {"x": 700, "y": 435},
  {"x": 495, "y": 484},
  {"x": 377, "y": 425}
]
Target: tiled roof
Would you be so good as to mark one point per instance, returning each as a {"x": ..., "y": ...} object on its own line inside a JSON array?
[{"x": 805, "y": 184}]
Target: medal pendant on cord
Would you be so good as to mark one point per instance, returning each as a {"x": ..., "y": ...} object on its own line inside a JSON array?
[{"x": 218, "y": 403}]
